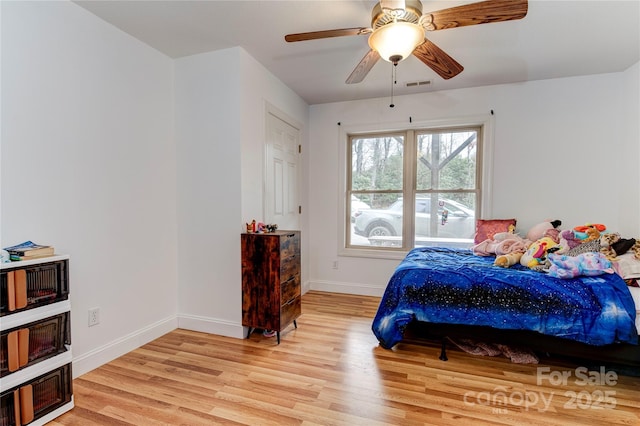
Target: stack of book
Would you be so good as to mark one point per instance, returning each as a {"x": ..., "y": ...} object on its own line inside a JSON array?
[{"x": 29, "y": 250}]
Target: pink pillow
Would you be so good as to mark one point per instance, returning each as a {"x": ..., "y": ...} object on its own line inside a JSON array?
[{"x": 487, "y": 228}]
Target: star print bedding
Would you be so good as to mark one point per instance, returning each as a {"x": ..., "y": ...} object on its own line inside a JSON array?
[{"x": 445, "y": 285}]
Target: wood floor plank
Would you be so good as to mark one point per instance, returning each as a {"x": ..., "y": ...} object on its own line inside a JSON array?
[{"x": 331, "y": 371}]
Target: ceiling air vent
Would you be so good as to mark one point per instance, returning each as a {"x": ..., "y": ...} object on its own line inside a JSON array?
[{"x": 419, "y": 83}]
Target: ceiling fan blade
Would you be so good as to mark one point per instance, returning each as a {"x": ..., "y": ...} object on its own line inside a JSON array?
[
  {"x": 484, "y": 12},
  {"x": 313, "y": 35},
  {"x": 363, "y": 67},
  {"x": 436, "y": 59}
]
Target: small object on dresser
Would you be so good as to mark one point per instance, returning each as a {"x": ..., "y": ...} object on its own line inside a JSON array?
[
  {"x": 29, "y": 250},
  {"x": 251, "y": 227},
  {"x": 271, "y": 227}
]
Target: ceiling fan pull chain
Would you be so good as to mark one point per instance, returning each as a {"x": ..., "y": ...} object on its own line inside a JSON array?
[{"x": 393, "y": 82}]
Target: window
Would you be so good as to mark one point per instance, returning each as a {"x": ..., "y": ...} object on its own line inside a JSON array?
[{"x": 412, "y": 188}]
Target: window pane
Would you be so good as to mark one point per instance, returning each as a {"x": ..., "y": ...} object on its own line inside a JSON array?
[
  {"x": 441, "y": 185},
  {"x": 453, "y": 223},
  {"x": 446, "y": 160},
  {"x": 376, "y": 163},
  {"x": 379, "y": 225}
]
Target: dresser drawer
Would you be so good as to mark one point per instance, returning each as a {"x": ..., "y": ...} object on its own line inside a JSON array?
[
  {"x": 290, "y": 289},
  {"x": 289, "y": 244},
  {"x": 289, "y": 267},
  {"x": 290, "y": 311}
]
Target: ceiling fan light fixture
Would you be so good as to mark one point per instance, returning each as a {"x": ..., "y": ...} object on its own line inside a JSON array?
[{"x": 396, "y": 39}]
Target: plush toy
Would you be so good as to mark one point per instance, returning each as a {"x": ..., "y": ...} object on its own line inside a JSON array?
[
  {"x": 636, "y": 249},
  {"x": 538, "y": 231},
  {"x": 567, "y": 241},
  {"x": 592, "y": 235},
  {"x": 588, "y": 264},
  {"x": 581, "y": 231},
  {"x": 501, "y": 236},
  {"x": 271, "y": 227},
  {"x": 606, "y": 242},
  {"x": 612, "y": 245},
  {"x": 537, "y": 252},
  {"x": 624, "y": 245},
  {"x": 506, "y": 260},
  {"x": 553, "y": 233},
  {"x": 583, "y": 228}
]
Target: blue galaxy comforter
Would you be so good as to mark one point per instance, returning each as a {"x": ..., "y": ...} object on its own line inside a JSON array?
[{"x": 443, "y": 285}]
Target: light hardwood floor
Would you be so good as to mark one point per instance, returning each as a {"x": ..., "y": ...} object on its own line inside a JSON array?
[{"x": 330, "y": 370}]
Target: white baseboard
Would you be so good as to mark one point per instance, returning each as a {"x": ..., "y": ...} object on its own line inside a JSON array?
[
  {"x": 93, "y": 359},
  {"x": 211, "y": 325},
  {"x": 348, "y": 288},
  {"x": 305, "y": 287}
]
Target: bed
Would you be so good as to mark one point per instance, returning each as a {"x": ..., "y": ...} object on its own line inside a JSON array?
[{"x": 454, "y": 292}]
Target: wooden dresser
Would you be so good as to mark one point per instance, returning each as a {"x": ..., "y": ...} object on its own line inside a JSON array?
[{"x": 271, "y": 295}]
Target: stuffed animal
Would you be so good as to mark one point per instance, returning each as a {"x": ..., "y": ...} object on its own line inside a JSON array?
[
  {"x": 567, "y": 241},
  {"x": 612, "y": 245},
  {"x": 501, "y": 236},
  {"x": 538, "y": 231},
  {"x": 271, "y": 227},
  {"x": 592, "y": 235},
  {"x": 606, "y": 242},
  {"x": 588, "y": 264},
  {"x": 624, "y": 245},
  {"x": 636, "y": 249},
  {"x": 581, "y": 231},
  {"x": 506, "y": 260},
  {"x": 553, "y": 233},
  {"x": 537, "y": 252}
]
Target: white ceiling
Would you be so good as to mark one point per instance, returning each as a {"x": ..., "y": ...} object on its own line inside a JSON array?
[{"x": 555, "y": 39}]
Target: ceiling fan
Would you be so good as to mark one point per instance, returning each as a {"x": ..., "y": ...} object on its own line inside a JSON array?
[{"x": 398, "y": 30}]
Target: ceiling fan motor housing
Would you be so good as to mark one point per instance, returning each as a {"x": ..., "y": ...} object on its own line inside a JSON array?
[{"x": 412, "y": 13}]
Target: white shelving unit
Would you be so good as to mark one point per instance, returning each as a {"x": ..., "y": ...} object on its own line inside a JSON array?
[{"x": 26, "y": 316}]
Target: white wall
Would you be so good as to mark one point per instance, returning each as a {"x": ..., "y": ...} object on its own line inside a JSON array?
[
  {"x": 221, "y": 100},
  {"x": 142, "y": 168},
  {"x": 564, "y": 148},
  {"x": 208, "y": 141},
  {"x": 88, "y": 165},
  {"x": 629, "y": 206}
]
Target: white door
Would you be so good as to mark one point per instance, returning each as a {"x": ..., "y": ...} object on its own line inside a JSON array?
[{"x": 282, "y": 173}]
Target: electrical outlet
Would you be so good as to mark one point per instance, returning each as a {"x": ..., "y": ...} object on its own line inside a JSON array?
[
  {"x": 335, "y": 264},
  {"x": 94, "y": 316}
]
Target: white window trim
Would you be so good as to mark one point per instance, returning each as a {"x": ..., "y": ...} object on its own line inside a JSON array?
[{"x": 486, "y": 121}]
